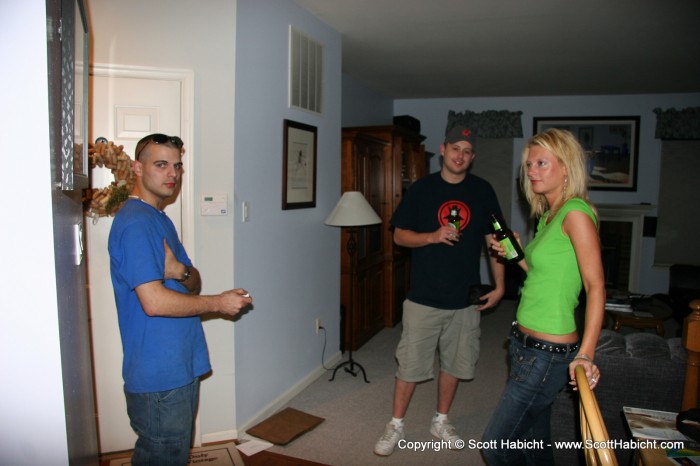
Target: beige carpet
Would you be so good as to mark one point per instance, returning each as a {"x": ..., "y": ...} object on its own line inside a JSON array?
[
  {"x": 356, "y": 412},
  {"x": 224, "y": 454}
]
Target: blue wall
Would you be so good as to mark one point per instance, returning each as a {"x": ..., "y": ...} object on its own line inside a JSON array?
[
  {"x": 363, "y": 106},
  {"x": 289, "y": 260}
]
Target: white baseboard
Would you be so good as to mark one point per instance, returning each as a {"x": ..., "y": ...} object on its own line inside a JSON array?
[
  {"x": 293, "y": 391},
  {"x": 274, "y": 406},
  {"x": 223, "y": 436}
]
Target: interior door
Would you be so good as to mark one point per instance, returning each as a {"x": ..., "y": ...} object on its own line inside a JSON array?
[{"x": 124, "y": 109}]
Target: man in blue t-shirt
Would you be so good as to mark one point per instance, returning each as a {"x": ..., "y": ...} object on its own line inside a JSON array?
[
  {"x": 444, "y": 219},
  {"x": 156, "y": 289}
]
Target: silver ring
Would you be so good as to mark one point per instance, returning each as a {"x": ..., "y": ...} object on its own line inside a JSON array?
[{"x": 593, "y": 379}]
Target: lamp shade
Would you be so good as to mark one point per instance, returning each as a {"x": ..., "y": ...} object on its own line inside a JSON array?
[{"x": 352, "y": 210}]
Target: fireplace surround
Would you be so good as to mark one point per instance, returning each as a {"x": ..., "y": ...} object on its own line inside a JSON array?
[{"x": 621, "y": 229}]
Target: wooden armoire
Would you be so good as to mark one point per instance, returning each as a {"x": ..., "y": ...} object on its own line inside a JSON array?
[{"x": 380, "y": 162}]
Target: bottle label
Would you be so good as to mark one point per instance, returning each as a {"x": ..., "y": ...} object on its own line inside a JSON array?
[{"x": 510, "y": 251}]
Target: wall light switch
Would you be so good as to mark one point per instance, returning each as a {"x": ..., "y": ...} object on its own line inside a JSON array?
[
  {"x": 245, "y": 211},
  {"x": 214, "y": 204}
]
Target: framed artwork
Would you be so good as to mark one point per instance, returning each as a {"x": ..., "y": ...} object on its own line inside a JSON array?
[
  {"x": 299, "y": 166},
  {"x": 612, "y": 146}
]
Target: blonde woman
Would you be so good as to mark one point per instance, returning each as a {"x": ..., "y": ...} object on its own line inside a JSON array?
[{"x": 545, "y": 345}]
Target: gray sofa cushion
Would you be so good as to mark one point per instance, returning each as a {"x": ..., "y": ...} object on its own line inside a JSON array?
[
  {"x": 647, "y": 346},
  {"x": 611, "y": 343},
  {"x": 640, "y": 345}
]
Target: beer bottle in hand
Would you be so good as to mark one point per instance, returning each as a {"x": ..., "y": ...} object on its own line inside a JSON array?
[
  {"x": 504, "y": 236},
  {"x": 453, "y": 220}
]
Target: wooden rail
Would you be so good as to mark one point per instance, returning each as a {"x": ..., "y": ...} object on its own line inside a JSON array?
[{"x": 691, "y": 342}]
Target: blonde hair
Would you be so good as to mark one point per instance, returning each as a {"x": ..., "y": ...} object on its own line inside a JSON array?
[{"x": 564, "y": 146}]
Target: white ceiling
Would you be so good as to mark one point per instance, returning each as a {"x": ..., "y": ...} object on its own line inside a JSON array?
[{"x": 470, "y": 48}]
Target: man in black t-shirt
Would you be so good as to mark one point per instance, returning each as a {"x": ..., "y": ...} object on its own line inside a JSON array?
[{"x": 444, "y": 219}]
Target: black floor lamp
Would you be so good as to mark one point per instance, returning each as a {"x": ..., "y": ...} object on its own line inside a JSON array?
[{"x": 352, "y": 211}]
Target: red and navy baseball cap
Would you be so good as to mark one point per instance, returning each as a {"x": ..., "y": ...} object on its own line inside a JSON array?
[{"x": 461, "y": 133}]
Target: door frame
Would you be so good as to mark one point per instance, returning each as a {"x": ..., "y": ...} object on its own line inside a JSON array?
[{"x": 186, "y": 80}]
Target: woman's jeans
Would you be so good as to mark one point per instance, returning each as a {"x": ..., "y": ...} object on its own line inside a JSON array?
[
  {"x": 163, "y": 422},
  {"x": 519, "y": 430}
]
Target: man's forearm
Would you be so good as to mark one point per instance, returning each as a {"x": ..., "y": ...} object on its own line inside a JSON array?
[
  {"x": 157, "y": 300},
  {"x": 411, "y": 239},
  {"x": 498, "y": 270}
]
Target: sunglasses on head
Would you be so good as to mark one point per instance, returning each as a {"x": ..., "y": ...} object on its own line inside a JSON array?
[{"x": 159, "y": 138}]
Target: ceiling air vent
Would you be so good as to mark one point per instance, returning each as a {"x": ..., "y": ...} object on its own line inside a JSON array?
[{"x": 305, "y": 71}]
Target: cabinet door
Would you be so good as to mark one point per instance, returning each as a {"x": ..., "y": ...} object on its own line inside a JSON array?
[
  {"x": 364, "y": 167},
  {"x": 380, "y": 162},
  {"x": 408, "y": 166}
]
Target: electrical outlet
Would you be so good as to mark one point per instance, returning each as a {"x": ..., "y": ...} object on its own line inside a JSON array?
[{"x": 318, "y": 325}]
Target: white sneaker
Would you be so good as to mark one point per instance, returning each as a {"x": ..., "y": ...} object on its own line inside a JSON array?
[
  {"x": 446, "y": 431},
  {"x": 387, "y": 442}
]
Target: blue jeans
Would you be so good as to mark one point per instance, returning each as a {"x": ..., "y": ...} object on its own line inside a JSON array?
[
  {"x": 163, "y": 422},
  {"x": 519, "y": 430}
]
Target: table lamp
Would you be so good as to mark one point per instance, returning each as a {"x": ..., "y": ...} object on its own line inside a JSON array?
[{"x": 352, "y": 211}]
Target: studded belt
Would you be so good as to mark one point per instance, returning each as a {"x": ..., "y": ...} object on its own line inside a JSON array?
[{"x": 532, "y": 342}]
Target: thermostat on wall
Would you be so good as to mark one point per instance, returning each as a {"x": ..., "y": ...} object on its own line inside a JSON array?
[{"x": 214, "y": 204}]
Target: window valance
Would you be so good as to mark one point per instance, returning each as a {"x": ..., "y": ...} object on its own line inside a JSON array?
[
  {"x": 490, "y": 124},
  {"x": 678, "y": 124}
]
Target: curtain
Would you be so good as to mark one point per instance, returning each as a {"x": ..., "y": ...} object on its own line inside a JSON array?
[
  {"x": 679, "y": 210},
  {"x": 678, "y": 207},
  {"x": 678, "y": 124},
  {"x": 490, "y": 124}
]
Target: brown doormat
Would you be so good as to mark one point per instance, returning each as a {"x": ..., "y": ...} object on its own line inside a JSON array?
[
  {"x": 284, "y": 426},
  {"x": 224, "y": 454}
]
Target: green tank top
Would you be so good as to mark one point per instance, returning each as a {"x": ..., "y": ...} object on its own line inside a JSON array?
[{"x": 551, "y": 289}]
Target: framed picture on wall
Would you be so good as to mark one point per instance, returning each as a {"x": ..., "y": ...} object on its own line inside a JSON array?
[
  {"x": 611, "y": 144},
  {"x": 299, "y": 166}
]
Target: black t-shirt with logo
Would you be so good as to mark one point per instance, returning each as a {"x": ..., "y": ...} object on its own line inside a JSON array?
[{"x": 440, "y": 274}]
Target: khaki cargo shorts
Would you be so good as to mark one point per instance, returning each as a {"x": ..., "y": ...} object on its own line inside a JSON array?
[{"x": 454, "y": 334}]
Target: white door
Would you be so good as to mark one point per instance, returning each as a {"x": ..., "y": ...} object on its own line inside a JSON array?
[{"x": 125, "y": 108}]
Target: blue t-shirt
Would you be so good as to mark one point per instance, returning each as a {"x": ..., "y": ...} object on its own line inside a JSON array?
[
  {"x": 160, "y": 353},
  {"x": 441, "y": 275}
]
